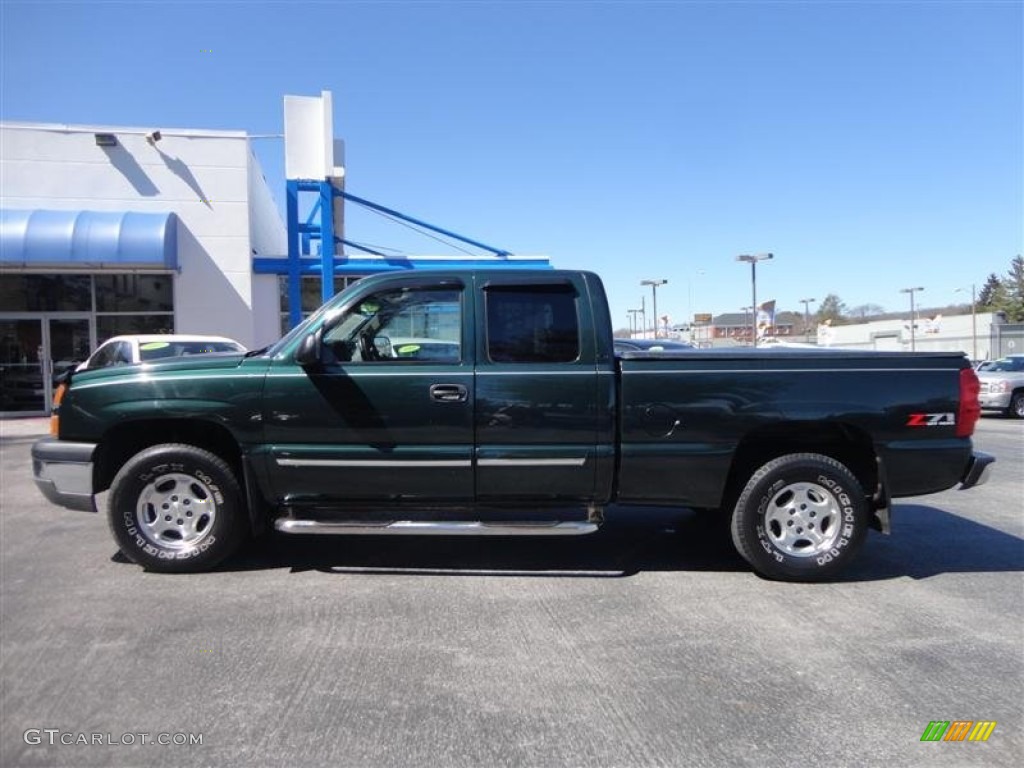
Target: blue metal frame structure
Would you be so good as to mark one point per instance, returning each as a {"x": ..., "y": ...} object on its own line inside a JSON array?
[{"x": 319, "y": 225}]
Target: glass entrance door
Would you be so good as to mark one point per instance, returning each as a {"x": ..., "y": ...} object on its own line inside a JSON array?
[
  {"x": 34, "y": 353},
  {"x": 21, "y": 366},
  {"x": 67, "y": 343}
]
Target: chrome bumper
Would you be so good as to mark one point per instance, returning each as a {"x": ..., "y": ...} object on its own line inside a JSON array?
[
  {"x": 978, "y": 470},
  {"x": 63, "y": 472}
]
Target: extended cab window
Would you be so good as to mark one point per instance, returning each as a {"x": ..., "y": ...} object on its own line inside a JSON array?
[
  {"x": 399, "y": 325},
  {"x": 532, "y": 324}
]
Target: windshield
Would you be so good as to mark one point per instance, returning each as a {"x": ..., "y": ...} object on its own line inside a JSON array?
[
  {"x": 156, "y": 350},
  {"x": 1006, "y": 364}
]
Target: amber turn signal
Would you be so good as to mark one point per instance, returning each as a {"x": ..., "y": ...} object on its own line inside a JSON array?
[{"x": 55, "y": 411}]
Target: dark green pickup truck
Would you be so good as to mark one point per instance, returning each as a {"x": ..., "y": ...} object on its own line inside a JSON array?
[{"x": 492, "y": 403}]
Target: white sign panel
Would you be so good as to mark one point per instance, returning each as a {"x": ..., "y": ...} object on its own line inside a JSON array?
[{"x": 309, "y": 137}]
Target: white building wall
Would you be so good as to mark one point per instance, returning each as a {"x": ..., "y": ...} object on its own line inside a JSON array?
[
  {"x": 268, "y": 237},
  {"x": 948, "y": 334},
  {"x": 207, "y": 178}
]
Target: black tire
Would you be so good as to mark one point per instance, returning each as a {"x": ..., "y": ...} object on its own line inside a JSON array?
[
  {"x": 800, "y": 517},
  {"x": 176, "y": 508},
  {"x": 1016, "y": 409}
]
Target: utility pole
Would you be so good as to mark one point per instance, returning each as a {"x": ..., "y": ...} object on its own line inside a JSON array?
[
  {"x": 632, "y": 321},
  {"x": 654, "y": 296},
  {"x": 913, "y": 317},
  {"x": 974, "y": 321},
  {"x": 753, "y": 259},
  {"x": 807, "y": 318}
]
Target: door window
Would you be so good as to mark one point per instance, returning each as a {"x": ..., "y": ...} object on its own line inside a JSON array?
[{"x": 399, "y": 325}]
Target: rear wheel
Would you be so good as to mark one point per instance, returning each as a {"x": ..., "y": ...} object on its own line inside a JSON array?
[
  {"x": 176, "y": 508},
  {"x": 800, "y": 517}
]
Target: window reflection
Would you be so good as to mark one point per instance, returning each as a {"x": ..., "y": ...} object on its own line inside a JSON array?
[
  {"x": 134, "y": 293},
  {"x": 45, "y": 293}
]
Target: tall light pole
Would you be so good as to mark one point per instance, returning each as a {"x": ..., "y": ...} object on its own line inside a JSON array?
[
  {"x": 807, "y": 318},
  {"x": 632, "y": 321},
  {"x": 974, "y": 321},
  {"x": 643, "y": 318},
  {"x": 654, "y": 296},
  {"x": 753, "y": 259},
  {"x": 689, "y": 294},
  {"x": 913, "y": 317}
]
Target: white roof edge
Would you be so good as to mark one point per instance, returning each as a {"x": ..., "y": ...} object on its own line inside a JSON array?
[
  {"x": 417, "y": 257},
  {"x": 126, "y": 129}
]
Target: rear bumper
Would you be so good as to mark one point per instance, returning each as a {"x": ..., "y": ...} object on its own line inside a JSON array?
[
  {"x": 63, "y": 472},
  {"x": 978, "y": 470}
]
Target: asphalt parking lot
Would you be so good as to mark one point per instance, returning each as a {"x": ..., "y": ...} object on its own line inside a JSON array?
[{"x": 647, "y": 644}]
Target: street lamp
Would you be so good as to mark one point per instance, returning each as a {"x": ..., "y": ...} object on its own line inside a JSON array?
[
  {"x": 753, "y": 259},
  {"x": 689, "y": 293},
  {"x": 752, "y": 315},
  {"x": 913, "y": 318},
  {"x": 632, "y": 321},
  {"x": 807, "y": 318},
  {"x": 654, "y": 296},
  {"x": 974, "y": 321}
]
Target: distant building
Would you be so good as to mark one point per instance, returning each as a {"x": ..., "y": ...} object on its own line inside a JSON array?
[
  {"x": 954, "y": 333},
  {"x": 986, "y": 333},
  {"x": 734, "y": 329}
]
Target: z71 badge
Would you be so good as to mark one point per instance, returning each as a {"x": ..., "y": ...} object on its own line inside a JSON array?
[{"x": 932, "y": 420}]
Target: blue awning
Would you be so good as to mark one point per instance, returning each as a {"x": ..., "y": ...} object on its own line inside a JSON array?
[{"x": 98, "y": 239}]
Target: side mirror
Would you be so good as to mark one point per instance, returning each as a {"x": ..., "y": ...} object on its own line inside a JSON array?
[{"x": 308, "y": 352}]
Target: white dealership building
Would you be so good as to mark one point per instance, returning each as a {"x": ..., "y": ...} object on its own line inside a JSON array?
[{"x": 108, "y": 230}]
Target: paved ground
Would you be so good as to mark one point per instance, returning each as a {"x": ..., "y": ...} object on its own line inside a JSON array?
[{"x": 649, "y": 644}]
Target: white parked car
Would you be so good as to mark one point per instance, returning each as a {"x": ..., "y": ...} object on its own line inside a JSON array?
[
  {"x": 1002, "y": 386},
  {"x": 125, "y": 350}
]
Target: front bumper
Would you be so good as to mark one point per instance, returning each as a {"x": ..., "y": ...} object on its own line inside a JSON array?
[
  {"x": 978, "y": 470},
  {"x": 63, "y": 472},
  {"x": 996, "y": 401}
]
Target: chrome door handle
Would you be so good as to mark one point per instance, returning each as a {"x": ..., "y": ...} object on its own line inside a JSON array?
[{"x": 449, "y": 393}]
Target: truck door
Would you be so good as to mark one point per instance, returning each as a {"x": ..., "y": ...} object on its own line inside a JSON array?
[
  {"x": 537, "y": 411},
  {"x": 387, "y": 416}
]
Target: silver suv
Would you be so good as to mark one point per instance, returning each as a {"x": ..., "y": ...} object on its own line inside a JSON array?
[{"x": 1002, "y": 386}]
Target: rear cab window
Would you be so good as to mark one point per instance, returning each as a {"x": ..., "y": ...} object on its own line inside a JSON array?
[{"x": 532, "y": 324}]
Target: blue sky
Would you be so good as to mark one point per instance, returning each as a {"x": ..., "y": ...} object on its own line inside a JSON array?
[{"x": 869, "y": 145}]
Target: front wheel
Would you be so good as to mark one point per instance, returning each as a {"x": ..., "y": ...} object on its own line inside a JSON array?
[
  {"x": 176, "y": 508},
  {"x": 1016, "y": 409},
  {"x": 800, "y": 517}
]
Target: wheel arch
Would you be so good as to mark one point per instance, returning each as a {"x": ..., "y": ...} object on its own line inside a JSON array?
[
  {"x": 846, "y": 443},
  {"x": 124, "y": 440}
]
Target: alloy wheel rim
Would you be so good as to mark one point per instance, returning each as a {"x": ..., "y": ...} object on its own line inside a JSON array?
[
  {"x": 803, "y": 519},
  {"x": 176, "y": 510}
]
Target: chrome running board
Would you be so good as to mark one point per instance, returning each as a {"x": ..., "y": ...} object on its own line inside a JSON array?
[{"x": 424, "y": 528}]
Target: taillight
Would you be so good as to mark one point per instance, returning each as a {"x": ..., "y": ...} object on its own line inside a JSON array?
[
  {"x": 55, "y": 411},
  {"x": 969, "y": 411}
]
